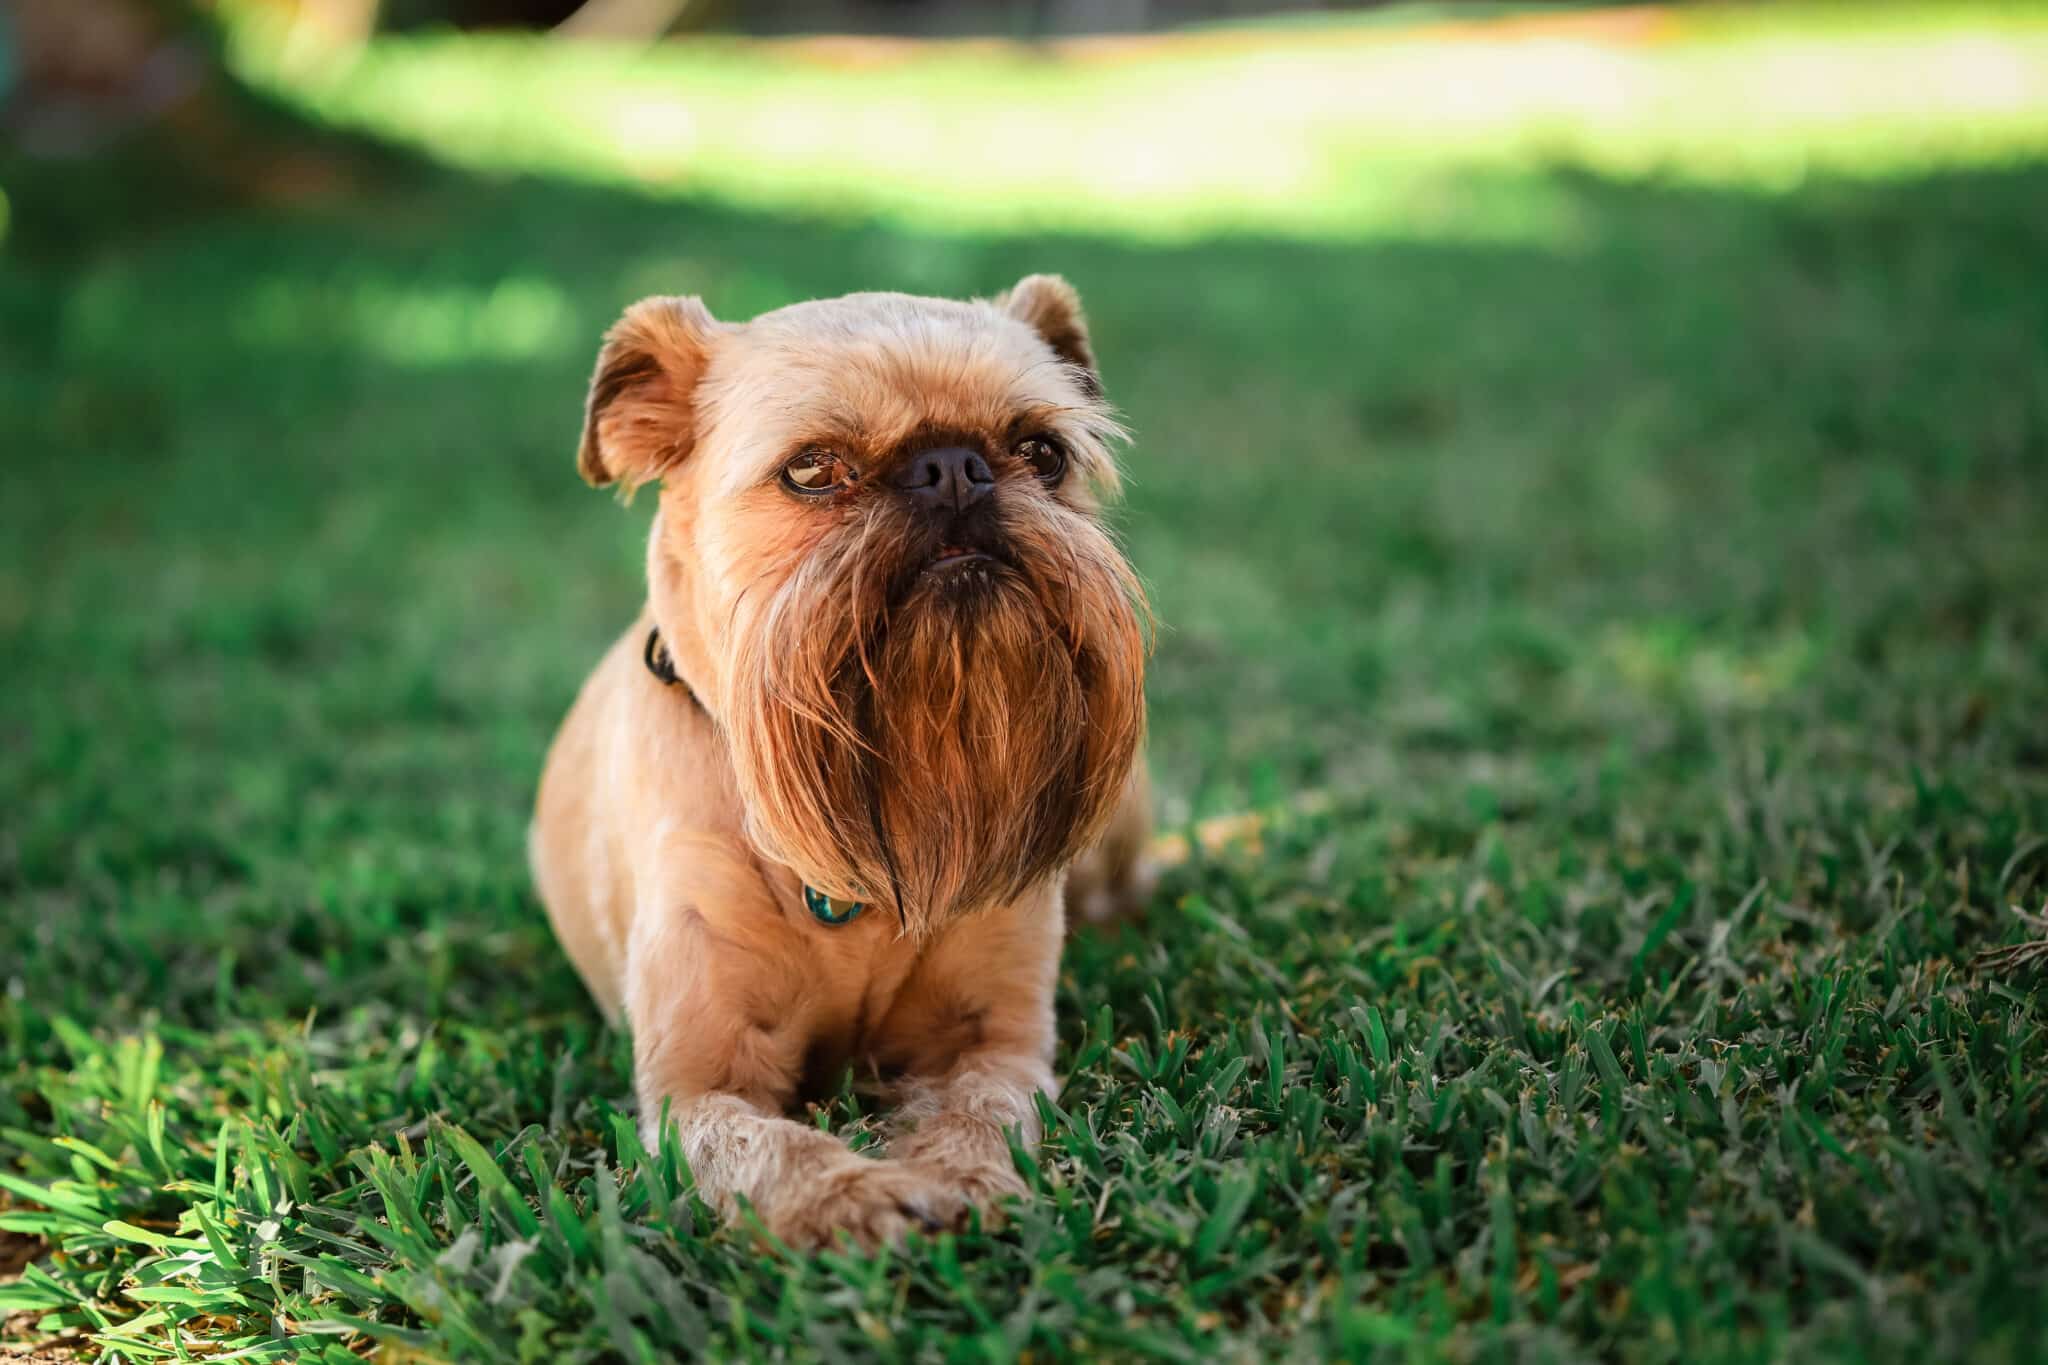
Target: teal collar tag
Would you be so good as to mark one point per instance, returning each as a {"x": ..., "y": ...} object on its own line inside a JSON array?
[{"x": 828, "y": 910}]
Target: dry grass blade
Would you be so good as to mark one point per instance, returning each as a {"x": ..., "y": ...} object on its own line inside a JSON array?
[{"x": 2018, "y": 957}]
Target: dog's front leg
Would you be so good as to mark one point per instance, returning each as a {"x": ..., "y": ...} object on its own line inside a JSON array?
[
  {"x": 978, "y": 1030},
  {"x": 718, "y": 1050}
]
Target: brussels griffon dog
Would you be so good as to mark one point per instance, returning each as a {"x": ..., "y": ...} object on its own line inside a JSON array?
[{"x": 825, "y": 803}]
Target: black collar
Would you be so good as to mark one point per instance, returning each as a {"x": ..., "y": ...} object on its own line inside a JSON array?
[{"x": 656, "y": 656}]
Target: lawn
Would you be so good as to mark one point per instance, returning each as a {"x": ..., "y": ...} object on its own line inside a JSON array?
[{"x": 1656, "y": 609}]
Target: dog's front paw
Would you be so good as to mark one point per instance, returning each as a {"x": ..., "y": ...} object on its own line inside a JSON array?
[
  {"x": 875, "y": 1203},
  {"x": 984, "y": 1186},
  {"x": 966, "y": 1155}
]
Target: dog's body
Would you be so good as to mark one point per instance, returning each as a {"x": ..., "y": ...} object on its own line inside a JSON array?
[{"x": 914, "y": 687}]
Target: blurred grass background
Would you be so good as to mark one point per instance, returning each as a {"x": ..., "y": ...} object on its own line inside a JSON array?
[
  {"x": 1414, "y": 122},
  {"x": 1603, "y": 449}
]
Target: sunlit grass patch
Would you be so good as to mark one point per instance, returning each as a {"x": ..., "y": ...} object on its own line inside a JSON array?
[
  {"x": 1667, "y": 659},
  {"x": 409, "y": 324},
  {"x": 1429, "y": 129}
]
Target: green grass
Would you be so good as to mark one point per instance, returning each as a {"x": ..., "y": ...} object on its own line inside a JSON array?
[{"x": 1663, "y": 612}]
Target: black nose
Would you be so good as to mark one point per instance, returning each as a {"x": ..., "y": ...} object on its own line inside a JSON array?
[{"x": 951, "y": 477}]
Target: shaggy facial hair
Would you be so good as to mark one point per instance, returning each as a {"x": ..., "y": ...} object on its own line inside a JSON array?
[{"x": 934, "y": 740}]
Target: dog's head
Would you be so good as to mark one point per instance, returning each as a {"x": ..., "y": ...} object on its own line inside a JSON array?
[{"x": 879, "y": 561}]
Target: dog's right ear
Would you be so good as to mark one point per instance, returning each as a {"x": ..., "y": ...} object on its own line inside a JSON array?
[{"x": 640, "y": 419}]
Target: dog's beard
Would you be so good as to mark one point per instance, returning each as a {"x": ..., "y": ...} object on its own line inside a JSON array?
[{"x": 934, "y": 739}]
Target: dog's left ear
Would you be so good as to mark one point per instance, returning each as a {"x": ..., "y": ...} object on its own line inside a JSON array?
[
  {"x": 640, "y": 419},
  {"x": 1049, "y": 305}
]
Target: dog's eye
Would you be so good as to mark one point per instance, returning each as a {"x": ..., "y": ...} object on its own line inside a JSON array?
[
  {"x": 816, "y": 471},
  {"x": 1047, "y": 457}
]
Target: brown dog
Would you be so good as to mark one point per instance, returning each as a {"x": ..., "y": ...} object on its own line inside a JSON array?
[{"x": 819, "y": 804}]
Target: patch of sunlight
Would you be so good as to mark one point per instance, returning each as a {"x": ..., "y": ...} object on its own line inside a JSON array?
[
  {"x": 410, "y": 324},
  {"x": 1669, "y": 659},
  {"x": 402, "y": 322},
  {"x": 1337, "y": 130}
]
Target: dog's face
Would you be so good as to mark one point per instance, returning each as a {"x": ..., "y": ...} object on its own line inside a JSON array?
[{"x": 879, "y": 561}]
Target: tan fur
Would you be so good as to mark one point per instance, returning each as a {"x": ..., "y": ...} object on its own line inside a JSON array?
[{"x": 941, "y": 748}]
